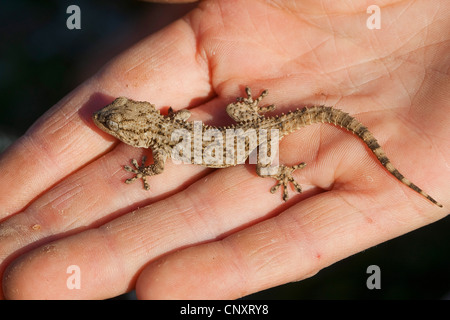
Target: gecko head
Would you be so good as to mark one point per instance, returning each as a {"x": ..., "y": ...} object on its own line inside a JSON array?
[{"x": 128, "y": 120}]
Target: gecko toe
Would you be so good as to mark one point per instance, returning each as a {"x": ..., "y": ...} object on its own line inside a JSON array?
[{"x": 275, "y": 187}]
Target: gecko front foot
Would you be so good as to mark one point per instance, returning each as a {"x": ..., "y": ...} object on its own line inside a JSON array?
[
  {"x": 140, "y": 171},
  {"x": 284, "y": 176},
  {"x": 246, "y": 109}
]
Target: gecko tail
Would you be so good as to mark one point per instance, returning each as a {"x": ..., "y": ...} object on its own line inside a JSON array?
[
  {"x": 361, "y": 131},
  {"x": 346, "y": 121},
  {"x": 400, "y": 177}
]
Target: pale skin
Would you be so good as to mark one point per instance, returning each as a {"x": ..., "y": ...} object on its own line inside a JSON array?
[{"x": 203, "y": 233}]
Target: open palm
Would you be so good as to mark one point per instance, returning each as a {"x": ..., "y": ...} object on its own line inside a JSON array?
[{"x": 200, "y": 233}]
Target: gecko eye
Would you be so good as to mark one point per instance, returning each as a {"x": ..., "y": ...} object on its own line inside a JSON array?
[{"x": 113, "y": 126}]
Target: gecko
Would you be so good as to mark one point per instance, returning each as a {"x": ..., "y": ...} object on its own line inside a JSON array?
[{"x": 140, "y": 124}]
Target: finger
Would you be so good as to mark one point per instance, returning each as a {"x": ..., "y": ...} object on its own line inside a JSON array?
[
  {"x": 40, "y": 158},
  {"x": 64, "y": 139},
  {"x": 111, "y": 256},
  {"x": 292, "y": 246},
  {"x": 90, "y": 197}
]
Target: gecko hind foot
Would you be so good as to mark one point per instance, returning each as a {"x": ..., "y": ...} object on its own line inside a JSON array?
[
  {"x": 139, "y": 171},
  {"x": 284, "y": 176}
]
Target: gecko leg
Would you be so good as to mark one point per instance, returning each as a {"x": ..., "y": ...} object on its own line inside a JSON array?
[
  {"x": 283, "y": 176},
  {"x": 142, "y": 171}
]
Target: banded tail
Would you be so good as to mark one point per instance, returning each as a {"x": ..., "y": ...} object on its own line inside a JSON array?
[{"x": 302, "y": 117}]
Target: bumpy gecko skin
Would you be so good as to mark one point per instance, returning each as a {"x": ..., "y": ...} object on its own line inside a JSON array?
[{"x": 139, "y": 124}]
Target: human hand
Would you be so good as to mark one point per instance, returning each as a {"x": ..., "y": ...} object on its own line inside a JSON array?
[{"x": 200, "y": 233}]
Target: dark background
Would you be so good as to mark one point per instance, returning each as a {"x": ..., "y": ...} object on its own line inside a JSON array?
[{"x": 41, "y": 61}]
